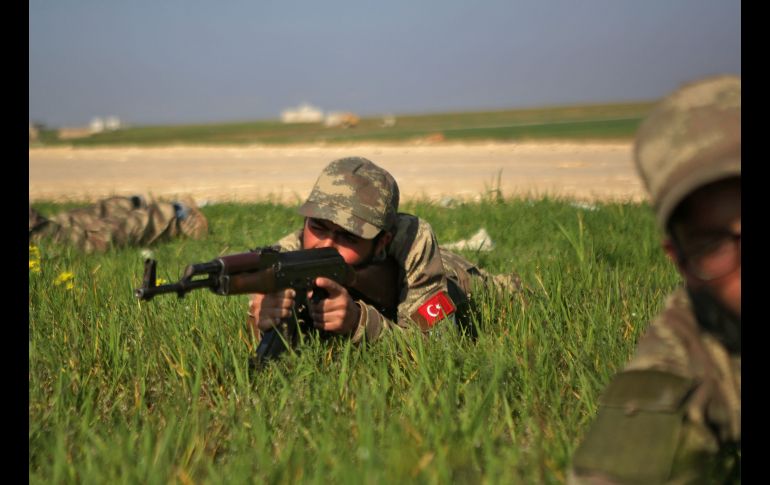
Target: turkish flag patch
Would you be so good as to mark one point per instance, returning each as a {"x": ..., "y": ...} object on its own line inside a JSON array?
[{"x": 437, "y": 307}]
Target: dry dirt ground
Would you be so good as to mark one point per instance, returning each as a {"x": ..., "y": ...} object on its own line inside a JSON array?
[{"x": 581, "y": 171}]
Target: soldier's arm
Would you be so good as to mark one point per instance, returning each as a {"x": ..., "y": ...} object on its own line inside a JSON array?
[
  {"x": 371, "y": 323},
  {"x": 424, "y": 299}
]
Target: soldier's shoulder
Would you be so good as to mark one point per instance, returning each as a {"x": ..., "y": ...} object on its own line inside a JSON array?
[
  {"x": 420, "y": 227},
  {"x": 406, "y": 221},
  {"x": 636, "y": 433},
  {"x": 290, "y": 242},
  {"x": 410, "y": 231},
  {"x": 667, "y": 343},
  {"x": 646, "y": 389}
]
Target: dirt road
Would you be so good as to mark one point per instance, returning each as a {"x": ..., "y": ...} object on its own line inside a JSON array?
[{"x": 585, "y": 171}]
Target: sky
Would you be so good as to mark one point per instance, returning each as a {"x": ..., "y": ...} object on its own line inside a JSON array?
[{"x": 199, "y": 61}]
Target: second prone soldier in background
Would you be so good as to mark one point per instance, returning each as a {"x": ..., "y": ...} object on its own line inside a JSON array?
[{"x": 119, "y": 221}]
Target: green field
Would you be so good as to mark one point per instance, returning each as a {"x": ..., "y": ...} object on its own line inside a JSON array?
[
  {"x": 603, "y": 121},
  {"x": 122, "y": 391}
]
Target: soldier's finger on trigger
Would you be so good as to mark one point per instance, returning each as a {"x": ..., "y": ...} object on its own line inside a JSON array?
[
  {"x": 280, "y": 313},
  {"x": 318, "y": 319},
  {"x": 326, "y": 283},
  {"x": 286, "y": 304},
  {"x": 321, "y": 324},
  {"x": 265, "y": 324},
  {"x": 321, "y": 307}
]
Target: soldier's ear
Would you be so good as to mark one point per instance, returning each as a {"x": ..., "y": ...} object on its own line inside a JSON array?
[
  {"x": 673, "y": 253},
  {"x": 382, "y": 241}
]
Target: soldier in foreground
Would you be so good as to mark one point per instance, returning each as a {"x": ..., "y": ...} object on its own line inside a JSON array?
[
  {"x": 118, "y": 222},
  {"x": 673, "y": 415},
  {"x": 353, "y": 208}
]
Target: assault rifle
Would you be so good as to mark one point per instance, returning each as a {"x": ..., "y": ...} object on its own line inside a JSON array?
[{"x": 266, "y": 270}]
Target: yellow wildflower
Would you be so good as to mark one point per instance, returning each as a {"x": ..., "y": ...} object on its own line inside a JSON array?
[
  {"x": 160, "y": 281},
  {"x": 34, "y": 252},
  {"x": 34, "y": 258},
  {"x": 64, "y": 277}
]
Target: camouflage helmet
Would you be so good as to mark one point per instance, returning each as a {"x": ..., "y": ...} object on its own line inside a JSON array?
[
  {"x": 690, "y": 139},
  {"x": 355, "y": 194}
]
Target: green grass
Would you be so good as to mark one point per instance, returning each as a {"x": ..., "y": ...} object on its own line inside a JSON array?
[
  {"x": 601, "y": 121},
  {"x": 122, "y": 391}
]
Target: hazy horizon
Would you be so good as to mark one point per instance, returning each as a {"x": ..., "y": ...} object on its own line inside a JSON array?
[{"x": 183, "y": 62}]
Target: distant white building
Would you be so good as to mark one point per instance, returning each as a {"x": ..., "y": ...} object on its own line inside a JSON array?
[
  {"x": 304, "y": 113},
  {"x": 96, "y": 125},
  {"x": 112, "y": 123}
]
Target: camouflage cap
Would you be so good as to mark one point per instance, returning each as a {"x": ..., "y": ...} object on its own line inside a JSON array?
[
  {"x": 355, "y": 194},
  {"x": 691, "y": 138}
]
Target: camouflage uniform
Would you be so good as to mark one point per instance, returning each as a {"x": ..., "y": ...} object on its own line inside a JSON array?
[
  {"x": 363, "y": 199},
  {"x": 675, "y": 407},
  {"x": 424, "y": 270},
  {"x": 673, "y": 414},
  {"x": 119, "y": 221}
]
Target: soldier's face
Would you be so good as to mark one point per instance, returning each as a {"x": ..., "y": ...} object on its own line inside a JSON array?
[
  {"x": 708, "y": 243},
  {"x": 320, "y": 233}
]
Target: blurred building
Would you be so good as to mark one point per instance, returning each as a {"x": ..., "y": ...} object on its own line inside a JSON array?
[
  {"x": 97, "y": 125},
  {"x": 112, "y": 123},
  {"x": 304, "y": 113},
  {"x": 343, "y": 119}
]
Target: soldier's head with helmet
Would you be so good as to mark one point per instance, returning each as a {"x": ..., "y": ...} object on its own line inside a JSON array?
[
  {"x": 688, "y": 154},
  {"x": 352, "y": 207}
]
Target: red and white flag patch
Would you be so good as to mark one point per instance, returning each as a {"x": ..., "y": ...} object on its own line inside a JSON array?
[{"x": 439, "y": 306}]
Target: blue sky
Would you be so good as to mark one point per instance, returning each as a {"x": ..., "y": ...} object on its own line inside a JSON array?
[{"x": 195, "y": 61}]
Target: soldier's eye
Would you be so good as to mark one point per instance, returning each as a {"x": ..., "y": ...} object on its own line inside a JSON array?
[
  {"x": 348, "y": 237},
  {"x": 713, "y": 243},
  {"x": 315, "y": 225}
]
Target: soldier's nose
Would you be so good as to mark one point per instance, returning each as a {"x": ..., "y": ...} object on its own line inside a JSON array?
[{"x": 326, "y": 242}]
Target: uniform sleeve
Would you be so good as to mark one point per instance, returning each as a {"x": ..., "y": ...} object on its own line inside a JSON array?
[
  {"x": 371, "y": 324},
  {"x": 290, "y": 242},
  {"x": 415, "y": 249}
]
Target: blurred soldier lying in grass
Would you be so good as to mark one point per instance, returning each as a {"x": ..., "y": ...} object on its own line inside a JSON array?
[
  {"x": 120, "y": 222},
  {"x": 353, "y": 208},
  {"x": 674, "y": 414}
]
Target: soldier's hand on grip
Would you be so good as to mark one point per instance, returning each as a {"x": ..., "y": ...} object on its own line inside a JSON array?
[
  {"x": 336, "y": 313},
  {"x": 269, "y": 309}
]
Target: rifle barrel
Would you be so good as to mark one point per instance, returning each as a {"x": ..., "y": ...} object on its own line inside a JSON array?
[{"x": 180, "y": 288}]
